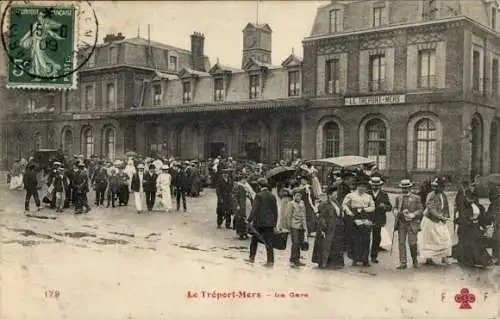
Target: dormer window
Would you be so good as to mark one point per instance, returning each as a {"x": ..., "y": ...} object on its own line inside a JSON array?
[
  {"x": 335, "y": 20},
  {"x": 254, "y": 86},
  {"x": 186, "y": 92},
  {"x": 493, "y": 19},
  {"x": 294, "y": 83},
  {"x": 378, "y": 15},
  {"x": 113, "y": 55},
  {"x": 157, "y": 94},
  {"x": 429, "y": 10},
  {"x": 172, "y": 62},
  {"x": 218, "y": 89}
]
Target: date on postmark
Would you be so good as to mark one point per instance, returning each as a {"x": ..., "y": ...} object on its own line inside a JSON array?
[{"x": 42, "y": 44}]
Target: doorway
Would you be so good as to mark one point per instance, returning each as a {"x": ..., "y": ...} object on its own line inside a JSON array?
[
  {"x": 217, "y": 149},
  {"x": 253, "y": 152}
]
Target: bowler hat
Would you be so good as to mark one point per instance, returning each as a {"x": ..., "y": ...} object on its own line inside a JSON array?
[
  {"x": 405, "y": 183},
  {"x": 262, "y": 181},
  {"x": 151, "y": 166},
  {"x": 376, "y": 181}
]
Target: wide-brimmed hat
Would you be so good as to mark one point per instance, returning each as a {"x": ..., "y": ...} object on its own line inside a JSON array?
[
  {"x": 363, "y": 182},
  {"x": 81, "y": 164},
  {"x": 165, "y": 167},
  {"x": 405, "y": 183},
  {"x": 140, "y": 166},
  {"x": 61, "y": 169},
  {"x": 297, "y": 190},
  {"x": 57, "y": 164},
  {"x": 376, "y": 181}
]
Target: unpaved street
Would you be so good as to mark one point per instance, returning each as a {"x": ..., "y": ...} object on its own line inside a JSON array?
[{"x": 113, "y": 263}]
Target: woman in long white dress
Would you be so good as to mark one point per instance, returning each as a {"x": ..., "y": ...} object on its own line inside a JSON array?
[
  {"x": 163, "y": 187},
  {"x": 130, "y": 171}
]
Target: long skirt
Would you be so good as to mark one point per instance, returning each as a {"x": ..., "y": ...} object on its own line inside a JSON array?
[
  {"x": 139, "y": 199},
  {"x": 359, "y": 249},
  {"x": 470, "y": 249},
  {"x": 166, "y": 199},
  {"x": 436, "y": 240},
  {"x": 329, "y": 252}
]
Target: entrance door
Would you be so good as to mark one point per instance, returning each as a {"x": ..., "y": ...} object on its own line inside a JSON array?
[
  {"x": 217, "y": 149},
  {"x": 253, "y": 152}
]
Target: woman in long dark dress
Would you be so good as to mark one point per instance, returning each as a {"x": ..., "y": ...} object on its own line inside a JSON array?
[
  {"x": 470, "y": 249},
  {"x": 328, "y": 251}
]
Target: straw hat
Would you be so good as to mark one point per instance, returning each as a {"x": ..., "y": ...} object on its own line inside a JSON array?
[{"x": 405, "y": 183}]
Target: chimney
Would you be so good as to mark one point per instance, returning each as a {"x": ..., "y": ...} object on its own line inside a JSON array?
[
  {"x": 198, "y": 51},
  {"x": 112, "y": 37}
]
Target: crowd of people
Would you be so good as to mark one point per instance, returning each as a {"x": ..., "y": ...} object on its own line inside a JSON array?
[{"x": 348, "y": 217}]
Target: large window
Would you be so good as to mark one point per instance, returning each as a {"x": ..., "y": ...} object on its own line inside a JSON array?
[
  {"x": 110, "y": 95},
  {"x": 378, "y": 16},
  {"x": 427, "y": 68},
  {"x": 109, "y": 143},
  {"x": 332, "y": 76},
  {"x": 290, "y": 140},
  {"x": 293, "y": 83},
  {"x": 88, "y": 142},
  {"x": 426, "y": 142},
  {"x": 254, "y": 86},
  {"x": 157, "y": 94},
  {"x": 67, "y": 142},
  {"x": 476, "y": 71},
  {"x": 377, "y": 72},
  {"x": 494, "y": 78},
  {"x": 376, "y": 142},
  {"x": 335, "y": 20},
  {"x": 89, "y": 97},
  {"x": 331, "y": 140},
  {"x": 219, "y": 89},
  {"x": 186, "y": 92}
]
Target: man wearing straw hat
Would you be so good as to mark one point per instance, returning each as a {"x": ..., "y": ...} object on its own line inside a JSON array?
[
  {"x": 408, "y": 213},
  {"x": 379, "y": 219},
  {"x": 138, "y": 188}
]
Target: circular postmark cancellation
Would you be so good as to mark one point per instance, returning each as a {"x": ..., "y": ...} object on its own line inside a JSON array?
[{"x": 46, "y": 43}]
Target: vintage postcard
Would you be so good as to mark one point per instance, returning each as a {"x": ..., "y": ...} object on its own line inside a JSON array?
[{"x": 250, "y": 159}]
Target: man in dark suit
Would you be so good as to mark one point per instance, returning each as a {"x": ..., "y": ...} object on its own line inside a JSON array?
[
  {"x": 31, "y": 187},
  {"x": 264, "y": 217},
  {"x": 81, "y": 188},
  {"x": 150, "y": 187},
  {"x": 181, "y": 185},
  {"x": 378, "y": 218},
  {"x": 224, "y": 189}
]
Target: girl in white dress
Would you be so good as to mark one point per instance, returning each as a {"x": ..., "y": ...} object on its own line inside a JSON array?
[{"x": 163, "y": 186}]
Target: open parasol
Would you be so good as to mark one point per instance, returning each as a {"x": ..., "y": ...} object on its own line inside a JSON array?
[
  {"x": 344, "y": 161},
  {"x": 280, "y": 173}
]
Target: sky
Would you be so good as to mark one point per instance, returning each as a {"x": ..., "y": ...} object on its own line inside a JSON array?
[{"x": 222, "y": 22}]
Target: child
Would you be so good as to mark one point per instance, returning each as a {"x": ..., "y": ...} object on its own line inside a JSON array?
[
  {"x": 60, "y": 186},
  {"x": 298, "y": 226}
]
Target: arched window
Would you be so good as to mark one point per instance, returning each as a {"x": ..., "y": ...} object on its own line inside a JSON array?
[
  {"x": 109, "y": 143},
  {"x": 331, "y": 140},
  {"x": 376, "y": 142},
  {"x": 425, "y": 145},
  {"x": 37, "y": 141},
  {"x": 67, "y": 142},
  {"x": 88, "y": 142},
  {"x": 290, "y": 140}
]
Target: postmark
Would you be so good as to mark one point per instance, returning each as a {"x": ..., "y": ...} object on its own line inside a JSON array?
[{"x": 47, "y": 43}]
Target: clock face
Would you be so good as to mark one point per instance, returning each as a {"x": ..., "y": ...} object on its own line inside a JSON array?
[{"x": 249, "y": 41}]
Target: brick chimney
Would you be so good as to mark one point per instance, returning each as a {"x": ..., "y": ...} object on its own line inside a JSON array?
[
  {"x": 198, "y": 51},
  {"x": 112, "y": 37}
]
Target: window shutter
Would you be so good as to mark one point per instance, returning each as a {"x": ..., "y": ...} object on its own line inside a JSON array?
[
  {"x": 321, "y": 74},
  {"x": 341, "y": 86},
  {"x": 441, "y": 65},
  {"x": 363, "y": 70},
  {"x": 389, "y": 71},
  {"x": 412, "y": 72}
]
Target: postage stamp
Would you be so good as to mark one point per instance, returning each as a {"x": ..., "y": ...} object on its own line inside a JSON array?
[{"x": 42, "y": 44}]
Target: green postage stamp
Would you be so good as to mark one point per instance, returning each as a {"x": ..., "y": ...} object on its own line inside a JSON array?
[{"x": 41, "y": 46}]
